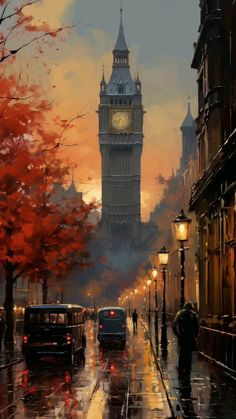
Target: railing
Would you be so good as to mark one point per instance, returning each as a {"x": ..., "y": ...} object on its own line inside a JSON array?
[{"x": 218, "y": 345}]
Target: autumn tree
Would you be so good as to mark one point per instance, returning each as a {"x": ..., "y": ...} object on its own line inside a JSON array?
[
  {"x": 37, "y": 238},
  {"x": 61, "y": 243}
]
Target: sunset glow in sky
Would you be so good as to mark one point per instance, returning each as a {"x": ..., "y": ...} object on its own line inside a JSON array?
[{"x": 160, "y": 34}]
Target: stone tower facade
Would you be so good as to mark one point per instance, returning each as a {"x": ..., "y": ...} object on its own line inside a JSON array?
[{"x": 121, "y": 142}]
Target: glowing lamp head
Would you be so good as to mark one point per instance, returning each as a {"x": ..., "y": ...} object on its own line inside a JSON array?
[
  {"x": 149, "y": 281},
  {"x": 163, "y": 256},
  {"x": 154, "y": 272},
  {"x": 182, "y": 226}
]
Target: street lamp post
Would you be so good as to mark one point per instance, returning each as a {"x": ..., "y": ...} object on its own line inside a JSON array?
[
  {"x": 135, "y": 295},
  {"x": 149, "y": 281},
  {"x": 144, "y": 298},
  {"x": 130, "y": 301},
  {"x": 163, "y": 260},
  {"x": 154, "y": 274},
  {"x": 182, "y": 227}
]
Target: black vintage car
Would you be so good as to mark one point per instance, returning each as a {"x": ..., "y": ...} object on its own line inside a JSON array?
[{"x": 53, "y": 330}]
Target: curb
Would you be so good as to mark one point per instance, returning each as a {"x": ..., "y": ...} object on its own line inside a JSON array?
[
  {"x": 176, "y": 410},
  {"x": 16, "y": 361}
]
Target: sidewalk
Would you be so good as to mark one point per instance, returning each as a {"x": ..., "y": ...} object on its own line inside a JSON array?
[
  {"x": 147, "y": 396},
  {"x": 211, "y": 394},
  {"x": 11, "y": 357}
]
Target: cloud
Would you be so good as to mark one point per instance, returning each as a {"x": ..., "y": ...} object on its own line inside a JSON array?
[{"x": 51, "y": 11}]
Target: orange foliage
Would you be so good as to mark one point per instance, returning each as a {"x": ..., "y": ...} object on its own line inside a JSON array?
[{"x": 36, "y": 236}]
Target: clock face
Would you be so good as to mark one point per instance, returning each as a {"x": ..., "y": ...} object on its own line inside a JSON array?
[{"x": 121, "y": 120}]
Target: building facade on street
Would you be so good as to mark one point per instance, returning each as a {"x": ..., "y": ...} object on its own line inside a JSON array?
[
  {"x": 176, "y": 196},
  {"x": 213, "y": 195},
  {"x": 121, "y": 142}
]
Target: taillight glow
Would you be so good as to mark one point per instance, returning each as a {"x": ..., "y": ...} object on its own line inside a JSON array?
[
  {"x": 112, "y": 313},
  {"x": 112, "y": 368},
  {"x": 25, "y": 339},
  {"x": 123, "y": 326},
  {"x": 100, "y": 326},
  {"x": 68, "y": 338}
]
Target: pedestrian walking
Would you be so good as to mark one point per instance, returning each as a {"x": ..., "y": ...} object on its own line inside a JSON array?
[
  {"x": 2, "y": 330},
  {"x": 186, "y": 328},
  {"x": 135, "y": 320}
]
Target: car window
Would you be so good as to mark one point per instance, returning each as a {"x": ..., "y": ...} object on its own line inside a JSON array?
[
  {"x": 48, "y": 318},
  {"x": 112, "y": 314}
]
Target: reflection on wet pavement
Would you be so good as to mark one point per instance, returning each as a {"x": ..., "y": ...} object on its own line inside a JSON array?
[
  {"x": 113, "y": 383},
  {"x": 208, "y": 395}
]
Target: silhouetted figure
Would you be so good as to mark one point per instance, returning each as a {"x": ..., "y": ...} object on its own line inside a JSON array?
[
  {"x": 2, "y": 331},
  {"x": 186, "y": 328},
  {"x": 135, "y": 320}
]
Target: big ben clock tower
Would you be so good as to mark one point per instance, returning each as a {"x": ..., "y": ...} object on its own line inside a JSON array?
[{"x": 121, "y": 141}]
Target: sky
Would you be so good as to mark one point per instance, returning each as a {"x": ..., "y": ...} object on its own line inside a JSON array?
[{"x": 160, "y": 35}]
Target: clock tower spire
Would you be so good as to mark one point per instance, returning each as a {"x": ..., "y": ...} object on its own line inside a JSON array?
[{"x": 121, "y": 141}]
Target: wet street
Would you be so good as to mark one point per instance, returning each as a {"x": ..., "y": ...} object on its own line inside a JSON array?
[
  {"x": 210, "y": 394},
  {"x": 111, "y": 384}
]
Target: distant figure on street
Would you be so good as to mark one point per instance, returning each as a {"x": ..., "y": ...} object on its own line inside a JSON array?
[
  {"x": 2, "y": 330},
  {"x": 186, "y": 328},
  {"x": 135, "y": 320}
]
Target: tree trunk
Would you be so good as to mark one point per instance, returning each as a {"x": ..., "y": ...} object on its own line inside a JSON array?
[
  {"x": 9, "y": 305},
  {"x": 45, "y": 291}
]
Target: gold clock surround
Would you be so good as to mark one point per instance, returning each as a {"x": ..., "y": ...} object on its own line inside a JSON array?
[{"x": 121, "y": 120}]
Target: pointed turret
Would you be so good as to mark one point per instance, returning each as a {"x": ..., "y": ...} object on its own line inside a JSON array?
[
  {"x": 189, "y": 143},
  {"x": 138, "y": 84},
  {"x": 72, "y": 192},
  {"x": 103, "y": 84},
  {"x": 121, "y": 44},
  {"x": 188, "y": 120},
  {"x": 121, "y": 81},
  {"x": 121, "y": 51}
]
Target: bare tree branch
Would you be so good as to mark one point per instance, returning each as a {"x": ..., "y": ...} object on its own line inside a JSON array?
[
  {"x": 3, "y": 12},
  {"x": 36, "y": 38},
  {"x": 9, "y": 33},
  {"x": 2, "y": 18},
  {"x": 15, "y": 98},
  {"x": 68, "y": 124},
  {"x": 70, "y": 145}
]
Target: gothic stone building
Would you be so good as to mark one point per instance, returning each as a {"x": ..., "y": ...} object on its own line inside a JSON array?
[
  {"x": 176, "y": 196},
  {"x": 121, "y": 142},
  {"x": 214, "y": 194}
]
